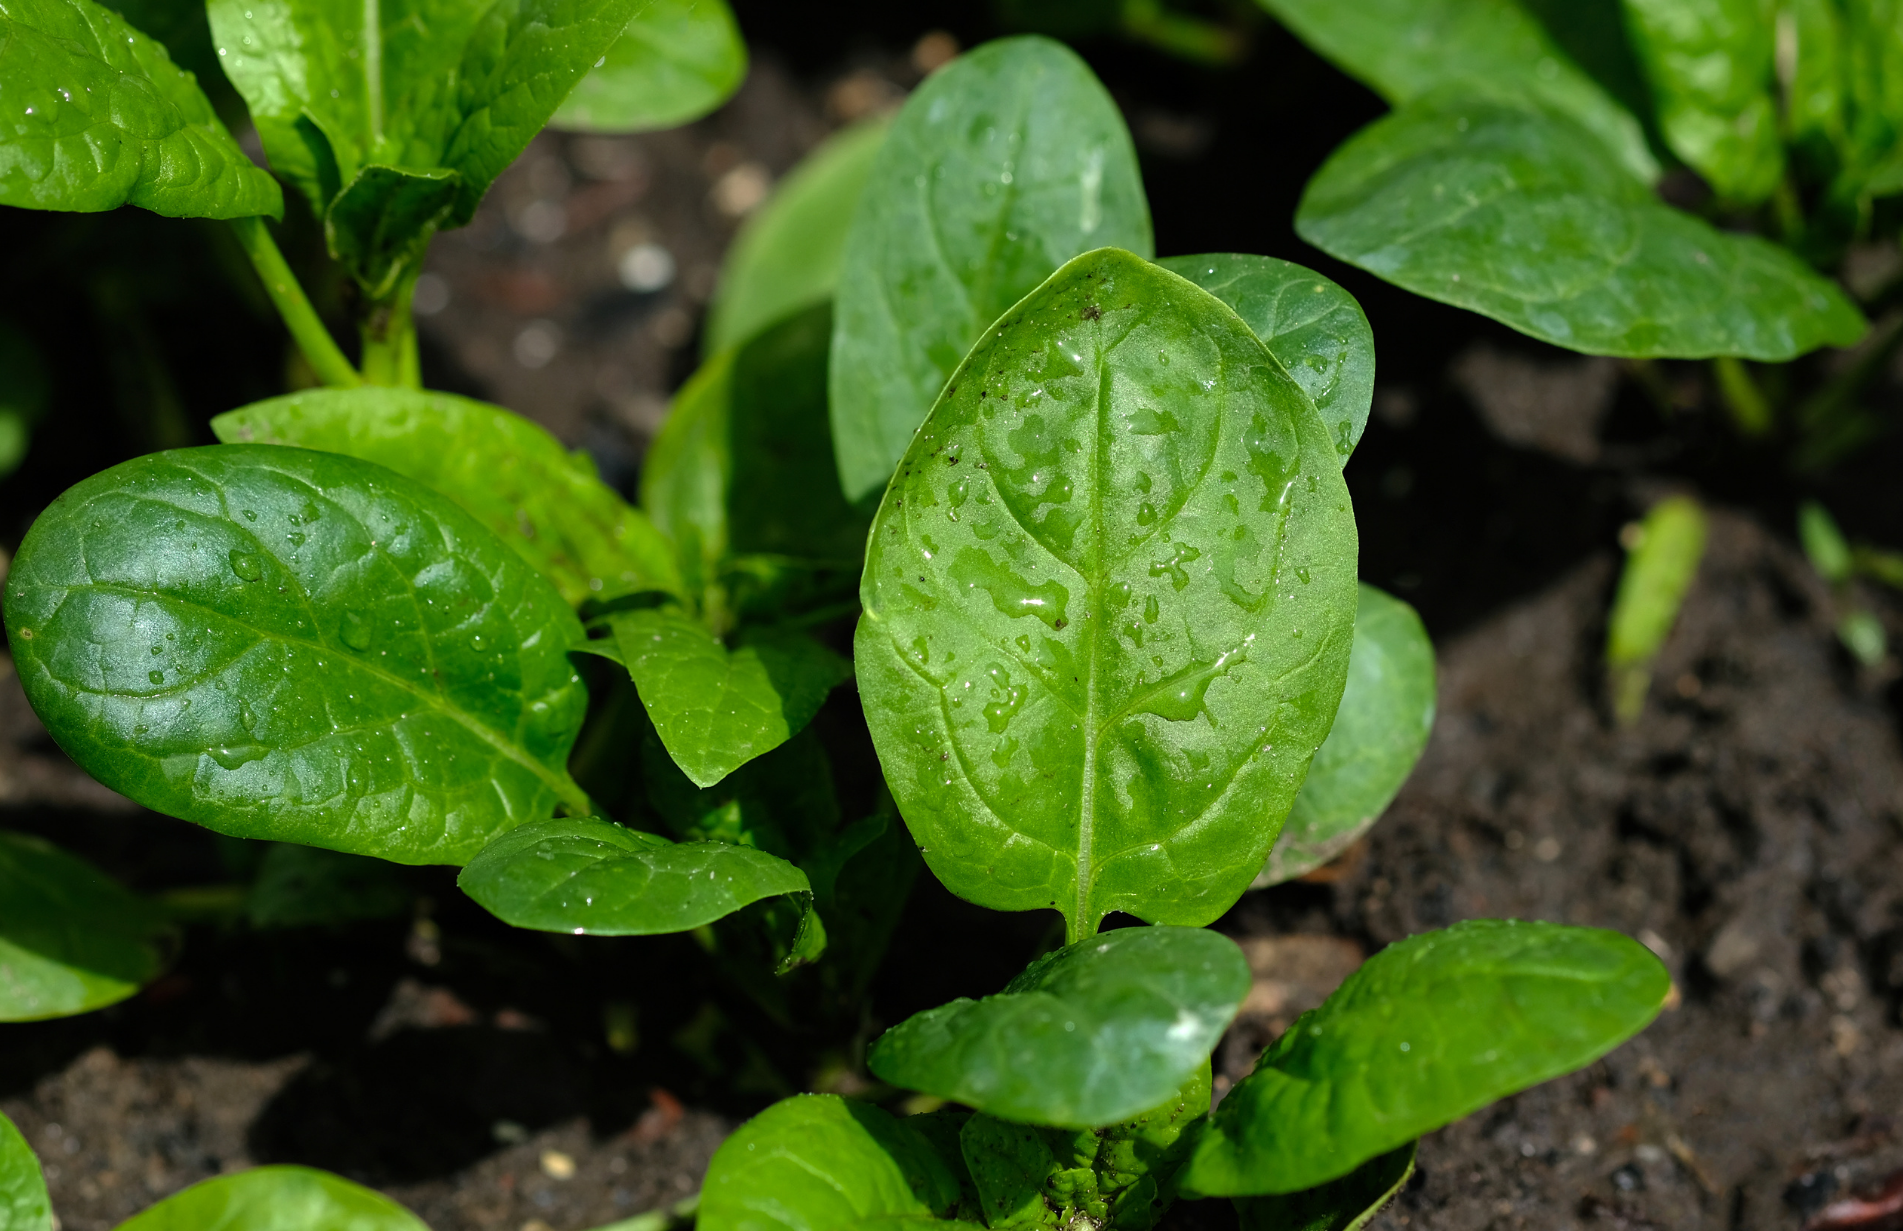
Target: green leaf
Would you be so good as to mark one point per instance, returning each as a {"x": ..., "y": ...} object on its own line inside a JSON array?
[
  {"x": 716, "y": 708},
  {"x": 1816, "y": 111},
  {"x": 592, "y": 877},
  {"x": 1709, "y": 62},
  {"x": 100, "y": 117},
  {"x": 1087, "y": 1036},
  {"x": 24, "y": 1205},
  {"x": 1658, "y": 574},
  {"x": 781, "y": 802},
  {"x": 1002, "y": 166},
  {"x": 1316, "y": 329},
  {"x": 299, "y": 886},
  {"x": 278, "y": 643},
  {"x": 676, "y": 61},
  {"x": 1380, "y": 731},
  {"x": 1109, "y": 601},
  {"x": 25, "y": 391},
  {"x": 275, "y": 1199},
  {"x": 1873, "y": 71},
  {"x": 1346, "y": 1204},
  {"x": 861, "y": 881},
  {"x": 787, "y": 255},
  {"x": 1516, "y": 214},
  {"x": 1426, "y": 1031},
  {"x": 518, "y": 480},
  {"x": 1407, "y": 49},
  {"x": 817, "y": 1162},
  {"x": 381, "y": 222},
  {"x": 1824, "y": 543},
  {"x": 71, "y": 940}
]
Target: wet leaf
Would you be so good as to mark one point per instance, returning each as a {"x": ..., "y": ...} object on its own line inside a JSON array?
[
  {"x": 1109, "y": 603},
  {"x": 278, "y": 643},
  {"x": 1094, "y": 1033},
  {"x": 71, "y": 939},
  {"x": 100, "y": 117},
  {"x": 676, "y": 61},
  {"x": 1002, "y": 166},
  {"x": 1710, "y": 65},
  {"x": 275, "y": 1199},
  {"x": 1346, "y": 1204},
  {"x": 1516, "y": 214},
  {"x": 1380, "y": 731},
  {"x": 23, "y": 1202},
  {"x": 1491, "y": 1007},
  {"x": 1316, "y": 329},
  {"x": 302, "y": 886},
  {"x": 545, "y": 501}
]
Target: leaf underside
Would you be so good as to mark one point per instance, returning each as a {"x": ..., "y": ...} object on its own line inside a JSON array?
[
  {"x": 71, "y": 939},
  {"x": 1346, "y": 1204}
]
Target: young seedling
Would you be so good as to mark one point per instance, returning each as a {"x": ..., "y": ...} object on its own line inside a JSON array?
[
  {"x": 1662, "y": 555},
  {"x": 1858, "y": 628}
]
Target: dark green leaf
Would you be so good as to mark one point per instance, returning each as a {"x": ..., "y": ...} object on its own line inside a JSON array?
[
  {"x": 592, "y": 877},
  {"x": 1109, "y": 604},
  {"x": 1426, "y": 1031},
  {"x": 1518, "y": 215},
  {"x": 781, "y": 802},
  {"x": 787, "y": 255},
  {"x": 1089, "y": 1035},
  {"x": 1386, "y": 713},
  {"x": 1709, "y": 62},
  {"x": 1406, "y": 49},
  {"x": 24, "y": 393},
  {"x": 1002, "y": 166},
  {"x": 861, "y": 881},
  {"x": 278, "y": 643},
  {"x": 298, "y": 886},
  {"x": 676, "y": 61},
  {"x": 382, "y": 221},
  {"x": 1346, "y": 1204},
  {"x": 517, "y": 479},
  {"x": 275, "y": 1199},
  {"x": 71, "y": 940},
  {"x": 23, "y": 1202},
  {"x": 100, "y": 117},
  {"x": 820, "y": 1163},
  {"x": 1316, "y": 329}
]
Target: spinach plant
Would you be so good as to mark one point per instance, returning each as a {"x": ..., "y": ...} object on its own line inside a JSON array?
[{"x": 1110, "y": 647}]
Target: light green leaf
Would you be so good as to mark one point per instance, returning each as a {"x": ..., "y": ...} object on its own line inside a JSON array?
[
  {"x": 277, "y": 643},
  {"x": 1818, "y": 99},
  {"x": 275, "y": 1199},
  {"x": 1346, "y": 1204},
  {"x": 1380, "y": 731},
  {"x": 591, "y": 877},
  {"x": 1092, "y": 1034},
  {"x": 518, "y": 480},
  {"x": 301, "y": 886},
  {"x": 1109, "y": 602},
  {"x": 1516, "y": 214},
  {"x": 1313, "y": 327},
  {"x": 787, "y": 255},
  {"x": 1823, "y": 543},
  {"x": 1002, "y": 166},
  {"x": 676, "y": 61},
  {"x": 1709, "y": 62},
  {"x": 1425, "y": 1032},
  {"x": 24, "y": 1205},
  {"x": 71, "y": 940},
  {"x": 100, "y": 117},
  {"x": 1873, "y": 68},
  {"x": 1495, "y": 49},
  {"x": 1652, "y": 587}
]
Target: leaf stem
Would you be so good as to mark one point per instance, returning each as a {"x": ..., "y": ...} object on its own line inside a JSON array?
[
  {"x": 307, "y": 330},
  {"x": 389, "y": 338}
]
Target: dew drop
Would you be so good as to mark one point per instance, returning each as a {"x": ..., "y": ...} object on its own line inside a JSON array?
[
  {"x": 246, "y": 565},
  {"x": 355, "y": 631},
  {"x": 157, "y": 677}
]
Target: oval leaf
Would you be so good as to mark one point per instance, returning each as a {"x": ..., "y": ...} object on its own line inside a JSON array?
[
  {"x": 518, "y": 480},
  {"x": 1380, "y": 731},
  {"x": 71, "y": 939},
  {"x": 676, "y": 61},
  {"x": 1520, "y": 216},
  {"x": 1002, "y": 166},
  {"x": 1491, "y": 1007},
  {"x": 1710, "y": 64},
  {"x": 1109, "y": 601},
  {"x": 1086, "y": 1036},
  {"x": 24, "y": 1205},
  {"x": 277, "y": 643},
  {"x": 275, "y": 1199},
  {"x": 1316, "y": 329},
  {"x": 98, "y": 116},
  {"x": 594, "y": 878},
  {"x": 1347, "y": 1204}
]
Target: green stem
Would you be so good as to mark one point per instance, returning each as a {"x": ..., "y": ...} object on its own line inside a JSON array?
[
  {"x": 389, "y": 338},
  {"x": 1750, "y": 409},
  {"x": 320, "y": 349}
]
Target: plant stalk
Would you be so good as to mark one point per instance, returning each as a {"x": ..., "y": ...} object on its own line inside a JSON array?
[
  {"x": 389, "y": 339},
  {"x": 307, "y": 330}
]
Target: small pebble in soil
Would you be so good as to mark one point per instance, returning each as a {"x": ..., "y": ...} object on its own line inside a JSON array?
[{"x": 557, "y": 1165}]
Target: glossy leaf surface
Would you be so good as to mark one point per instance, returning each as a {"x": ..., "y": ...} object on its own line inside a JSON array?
[
  {"x": 1346, "y": 1204},
  {"x": 98, "y": 116},
  {"x": 71, "y": 939},
  {"x": 1427, "y": 1030},
  {"x": 279, "y": 643},
  {"x": 23, "y": 1201},
  {"x": 676, "y": 61},
  {"x": 1092, "y": 1034},
  {"x": 1517, "y": 215},
  {"x": 1710, "y": 65},
  {"x": 787, "y": 255},
  {"x": 275, "y": 1199},
  {"x": 1313, "y": 327},
  {"x": 817, "y": 1162},
  {"x": 1380, "y": 731},
  {"x": 1108, "y": 604},
  {"x": 592, "y": 877},
  {"x": 1407, "y": 49},
  {"x": 518, "y": 480},
  {"x": 1002, "y": 166}
]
